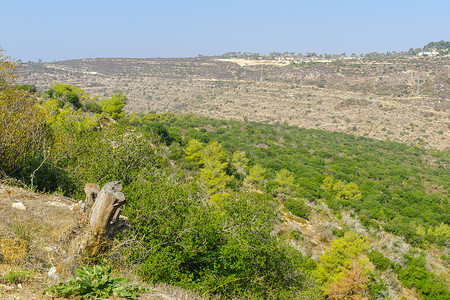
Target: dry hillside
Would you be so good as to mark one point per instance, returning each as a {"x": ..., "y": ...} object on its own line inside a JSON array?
[{"x": 402, "y": 99}]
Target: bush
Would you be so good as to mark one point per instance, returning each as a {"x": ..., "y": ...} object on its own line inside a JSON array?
[
  {"x": 378, "y": 259},
  {"x": 26, "y": 87},
  {"x": 181, "y": 239},
  {"x": 427, "y": 284},
  {"x": 298, "y": 207}
]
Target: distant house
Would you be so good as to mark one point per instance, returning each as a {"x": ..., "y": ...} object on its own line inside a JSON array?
[{"x": 429, "y": 53}]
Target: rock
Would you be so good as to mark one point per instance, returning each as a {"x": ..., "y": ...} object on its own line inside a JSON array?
[
  {"x": 78, "y": 206},
  {"x": 58, "y": 204},
  {"x": 52, "y": 273},
  {"x": 19, "y": 205}
]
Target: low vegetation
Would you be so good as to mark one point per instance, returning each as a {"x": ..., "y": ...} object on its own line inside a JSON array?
[
  {"x": 216, "y": 206},
  {"x": 95, "y": 282}
]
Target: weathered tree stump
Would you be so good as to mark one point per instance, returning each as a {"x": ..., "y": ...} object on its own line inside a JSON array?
[{"x": 102, "y": 211}]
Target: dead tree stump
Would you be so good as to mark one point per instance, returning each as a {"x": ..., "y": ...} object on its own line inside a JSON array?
[{"x": 102, "y": 211}]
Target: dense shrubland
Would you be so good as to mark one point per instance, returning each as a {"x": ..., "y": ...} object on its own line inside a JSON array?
[
  {"x": 399, "y": 188},
  {"x": 207, "y": 198}
]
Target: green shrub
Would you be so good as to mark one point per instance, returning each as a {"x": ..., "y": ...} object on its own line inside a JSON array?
[
  {"x": 378, "y": 259},
  {"x": 26, "y": 87},
  {"x": 298, "y": 207},
  {"x": 216, "y": 249},
  {"x": 340, "y": 232},
  {"x": 22, "y": 134},
  {"x": 427, "y": 284}
]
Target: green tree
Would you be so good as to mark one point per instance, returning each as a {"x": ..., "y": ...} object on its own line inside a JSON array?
[
  {"x": 328, "y": 183},
  {"x": 342, "y": 254},
  {"x": 67, "y": 93},
  {"x": 240, "y": 162},
  {"x": 193, "y": 153},
  {"x": 256, "y": 177},
  {"x": 285, "y": 183},
  {"x": 348, "y": 192},
  {"x": 114, "y": 106},
  {"x": 213, "y": 171}
]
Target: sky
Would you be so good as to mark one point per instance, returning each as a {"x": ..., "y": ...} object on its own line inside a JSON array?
[{"x": 60, "y": 30}]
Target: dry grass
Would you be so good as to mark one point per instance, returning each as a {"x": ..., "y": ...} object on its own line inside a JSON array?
[
  {"x": 13, "y": 250},
  {"x": 31, "y": 239}
]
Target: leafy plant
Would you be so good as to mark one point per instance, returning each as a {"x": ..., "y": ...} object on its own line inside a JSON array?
[
  {"x": 15, "y": 277},
  {"x": 95, "y": 282}
]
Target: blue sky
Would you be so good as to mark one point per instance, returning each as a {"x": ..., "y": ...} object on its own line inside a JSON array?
[{"x": 59, "y": 30}]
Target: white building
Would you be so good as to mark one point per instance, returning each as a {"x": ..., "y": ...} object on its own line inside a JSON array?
[{"x": 429, "y": 53}]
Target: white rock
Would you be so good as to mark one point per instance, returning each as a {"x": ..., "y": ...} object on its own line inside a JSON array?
[
  {"x": 52, "y": 273},
  {"x": 19, "y": 205},
  {"x": 19, "y": 285},
  {"x": 57, "y": 204},
  {"x": 77, "y": 206}
]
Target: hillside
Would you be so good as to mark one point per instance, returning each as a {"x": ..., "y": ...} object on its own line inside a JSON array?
[
  {"x": 390, "y": 98},
  {"x": 218, "y": 208}
]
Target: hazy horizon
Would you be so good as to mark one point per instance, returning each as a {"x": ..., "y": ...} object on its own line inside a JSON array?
[{"x": 54, "y": 30}]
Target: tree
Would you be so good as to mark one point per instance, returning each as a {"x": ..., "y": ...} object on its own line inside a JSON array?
[
  {"x": 349, "y": 192},
  {"x": 114, "y": 105},
  {"x": 7, "y": 71},
  {"x": 256, "y": 177},
  {"x": 341, "y": 255},
  {"x": 67, "y": 93},
  {"x": 22, "y": 134},
  {"x": 193, "y": 153},
  {"x": 240, "y": 161},
  {"x": 285, "y": 183},
  {"x": 343, "y": 192},
  {"x": 211, "y": 160},
  {"x": 213, "y": 171},
  {"x": 328, "y": 183},
  {"x": 352, "y": 284}
]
